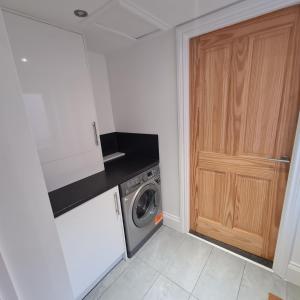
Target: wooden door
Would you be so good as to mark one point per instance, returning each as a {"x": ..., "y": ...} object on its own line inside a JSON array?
[{"x": 244, "y": 104}]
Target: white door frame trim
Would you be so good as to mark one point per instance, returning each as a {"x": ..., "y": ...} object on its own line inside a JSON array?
[{"x": 230, "y": 15}]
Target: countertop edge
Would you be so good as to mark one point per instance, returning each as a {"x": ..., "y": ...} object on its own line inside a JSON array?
[{"x": 106, "y": 187}]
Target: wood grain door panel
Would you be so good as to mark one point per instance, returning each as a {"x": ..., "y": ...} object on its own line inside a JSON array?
[
  {"x": 264, "y": 92},
  {"x": 233, "y": 200},
  {"x": 250, "y": 193},
  {"x": 213, "y": 191},
  {"x": 212, "y": 115},
  {"x": 244, "y": 104},
  {"x": 241, "y": 239},
  {"x": 238, "y": 224}
]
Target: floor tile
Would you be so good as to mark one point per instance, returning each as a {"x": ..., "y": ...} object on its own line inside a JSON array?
[
  {"x": 187, "y": 263},
  {"x": 257, "y": 283},
  {"x": 149, "y": 241},
  {"x": 161, "y": 248},
  {"x": 220, "y": 278},
  {"x": 133, "y": 284},
  {"x": 108, "y": 280},
  {"x": 164, "y": 289},
  {"x": 293, "y": 292}
]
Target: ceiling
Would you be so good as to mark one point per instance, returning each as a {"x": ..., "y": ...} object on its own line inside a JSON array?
[{"x": 114, "y": 24}]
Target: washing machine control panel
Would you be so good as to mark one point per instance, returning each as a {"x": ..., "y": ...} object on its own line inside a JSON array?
[
  {"x": 149, "y": 175},
  {"x": 134, "y": 183}
]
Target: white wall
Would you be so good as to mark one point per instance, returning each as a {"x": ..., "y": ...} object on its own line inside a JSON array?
[
  {"x": 99, "y": 75},
  {"x": 29, "y": 242},
  {"x": 294, "y": 178},
  {"x": 287, "y": 254},
  {"x": 7, "y": 290},
  {"x": 143, "y": 91},
  {"x": 296, "y": 250},
  {"x": 293, "y": 272},
  {"x": 289, "y": 229}
]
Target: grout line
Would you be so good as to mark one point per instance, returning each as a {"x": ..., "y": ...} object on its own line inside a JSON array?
[
  {"x": 169, "y": 259},
  {"x": 202, "y": 271},
  {"x": 157, "y": 269},
  {"x": 103, "y": 278},
  {"x": 232, "y": 253},
  {"x": 149, "y": 265},
  {"x": 150, "y": 240},
  {"x": 237, "y": 297},
  {"x": 151, "y": 286},
  {"x": 169, "y": 279},
  {"x": 174, "y": 254},
  {"x": 286, "y": 290},
  {"x": 128, "y": 263},
  {"x": 160, "y": 272},
  {"x": 126, "y": 269},
  {"x": 115, "y": 279}
]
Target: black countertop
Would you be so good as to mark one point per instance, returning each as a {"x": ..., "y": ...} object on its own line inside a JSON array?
[{"x": 116, "y": 172}]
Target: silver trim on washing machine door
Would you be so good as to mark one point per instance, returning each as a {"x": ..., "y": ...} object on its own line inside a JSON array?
[{"x": 146, "y": 204}]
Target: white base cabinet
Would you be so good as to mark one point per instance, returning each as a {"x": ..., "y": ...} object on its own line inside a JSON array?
[{"x": 92, "y": 239}]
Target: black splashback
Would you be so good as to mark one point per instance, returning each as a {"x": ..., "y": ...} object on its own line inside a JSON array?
[
  {"x": 138, "y": 144},
  {"x": 109, "y": 143},
  {"x": 130, "y": 143}
]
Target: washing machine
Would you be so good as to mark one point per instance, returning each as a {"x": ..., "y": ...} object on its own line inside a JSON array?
[{"x": 141, "y": 208}]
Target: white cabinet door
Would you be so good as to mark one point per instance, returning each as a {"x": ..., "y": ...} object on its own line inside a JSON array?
[
  {"x": 58, "y": 96},
  {"x": 92, "y": 239}
]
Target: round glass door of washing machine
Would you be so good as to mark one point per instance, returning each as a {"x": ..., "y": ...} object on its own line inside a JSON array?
[{"x": 146, "y": 205}]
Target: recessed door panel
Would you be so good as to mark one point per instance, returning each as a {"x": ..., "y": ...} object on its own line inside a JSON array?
[
  {"x": 211, "y": 196},
  {"x": 212, "y": 115},
  {"x": 267, "y": 71},
  {"x": 251, "y": 203}
]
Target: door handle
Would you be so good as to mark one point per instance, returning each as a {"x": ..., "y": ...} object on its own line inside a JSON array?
[
  {"x": 116, "y": 198},
  {"x": 281, "y": 159},
  {"x": 95, "y": 133}
]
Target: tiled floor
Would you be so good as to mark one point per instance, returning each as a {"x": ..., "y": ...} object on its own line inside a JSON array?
[{"x": 177, "y": 266}]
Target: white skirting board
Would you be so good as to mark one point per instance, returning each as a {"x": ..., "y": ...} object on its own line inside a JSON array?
[
  {"x": 293, "y": 273},
  {"x": 172, "y": 221}
]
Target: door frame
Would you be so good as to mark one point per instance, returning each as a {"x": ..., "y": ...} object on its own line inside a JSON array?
[{"x": 233, "y": 14}]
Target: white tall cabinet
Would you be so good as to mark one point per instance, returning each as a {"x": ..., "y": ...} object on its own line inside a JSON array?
[
  {"x": 57, "y": 92},
  {"x": 92, "y": 238}
]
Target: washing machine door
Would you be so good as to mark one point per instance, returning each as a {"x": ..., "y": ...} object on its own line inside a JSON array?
[{"x": 146, "y": 204}]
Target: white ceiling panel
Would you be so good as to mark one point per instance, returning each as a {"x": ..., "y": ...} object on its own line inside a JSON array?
[
  {"x": 174, "y": 12},
  {"x": 103, "y": 41},
  {"x": 115, "y": 24},
  {"x": 119, "y": 18},
  {"x": 57, "y": 12}
]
